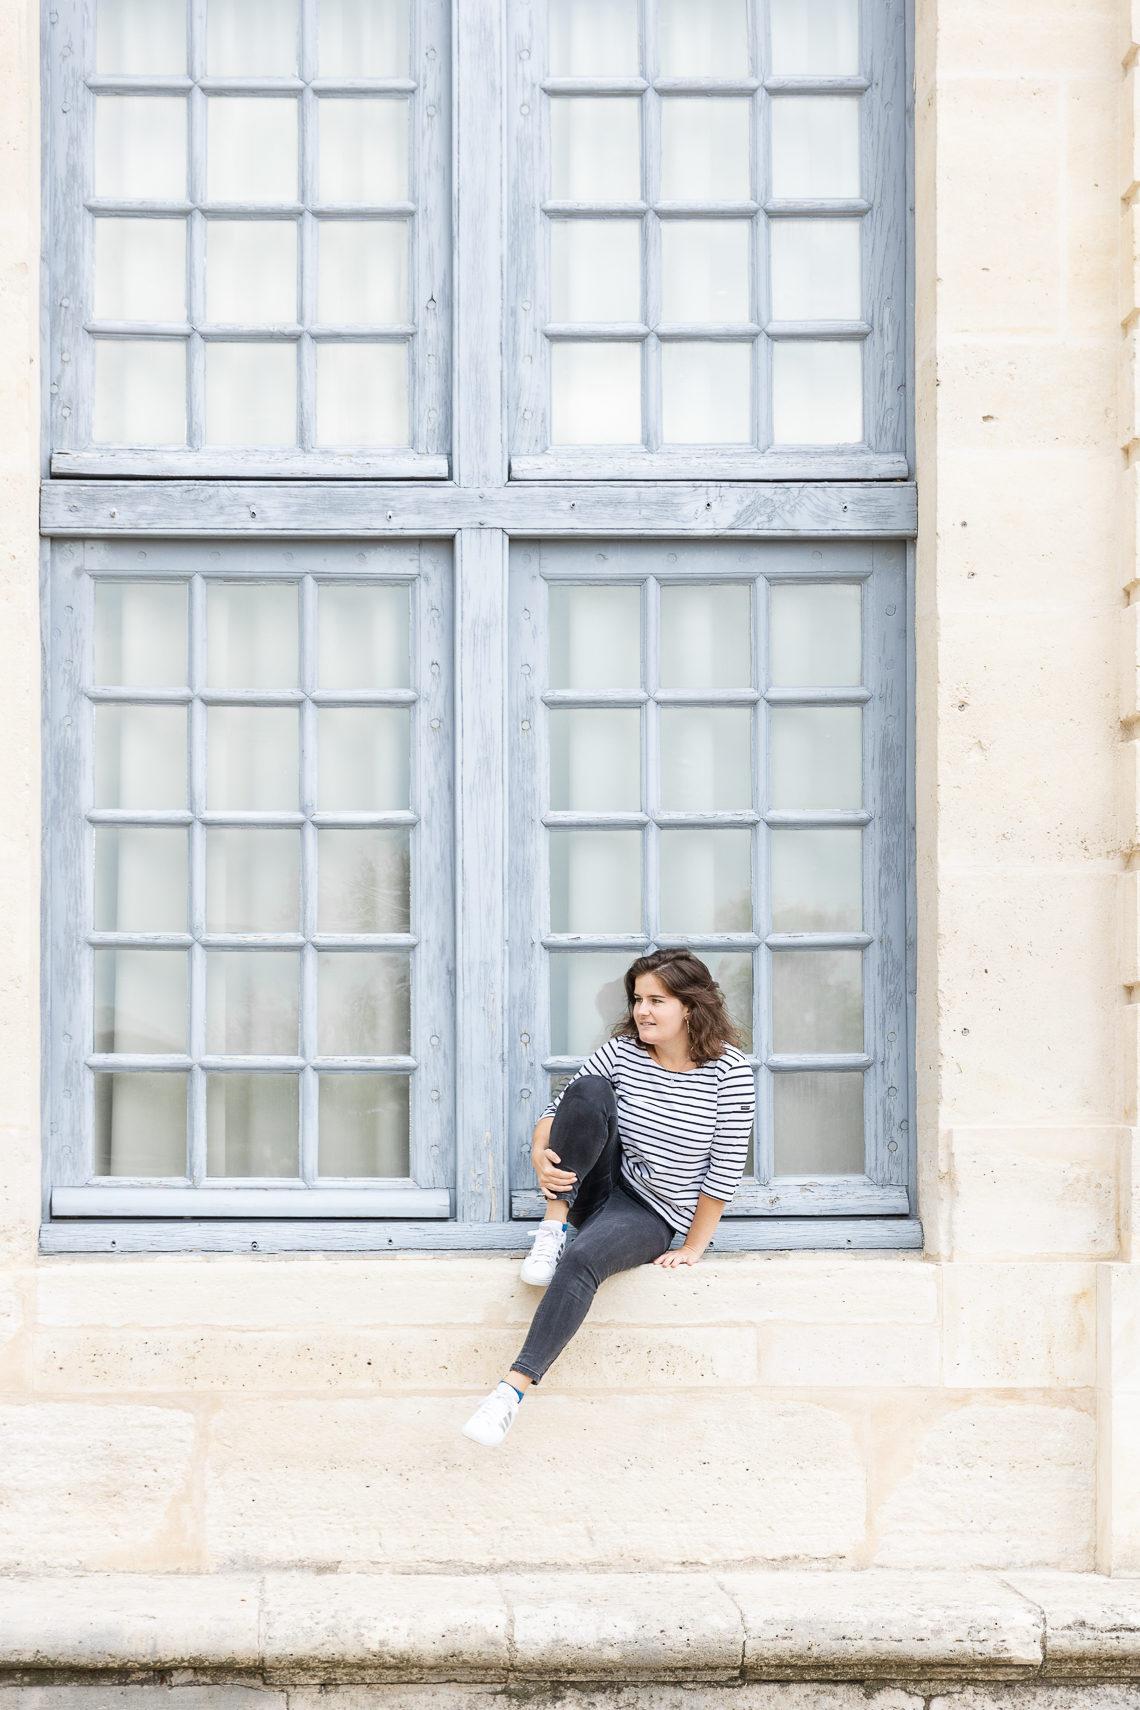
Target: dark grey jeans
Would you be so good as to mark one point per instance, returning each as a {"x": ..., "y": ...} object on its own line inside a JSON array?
[{"x": 616, "y": 1230}]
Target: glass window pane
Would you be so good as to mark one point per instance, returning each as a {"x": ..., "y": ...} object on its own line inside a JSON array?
[
  {"x": 251, "y": 38},
  {"x": 817, "y": 38},
  {"x": 705, "y": 271},
  {"x": 817, "y": 1125},
  {"x": 252, "y": 1002},
  {"x": 732, "y": 971},
  {"x": 815, "y": 270},
  {"x": 704, "y": 148},
  {"x": 140, "y": 635},
  {"x": 363, "y": 273},
  {"x": 817, "y": 392},
  {"x": 363, "y": 763},
  {"x": 251, "y": 1125},
  {"x": 595, "y": 759},
  {"x": 814, "y": 636},
  {"x": 140, "y": 270},
  {"x": 595, "y": 148},
  {"x": 815, "y": 757},
  {"x": 706, "y": 394},
  {"x": 251, "y": 272},
  {"x": 362, "y": 394},
  {"x": 595, "y": 270},
  {"x": 364, "y": 38},
  {"x": 140, "y": 147},
  {"x": 817, "y": 880},
  {"x": 364, "y": 1125},
  {"x": 594, "y": 636},
  {"x": 363, "y": 1003},
  {"x": 251, "y": 148},
  {"x": 363, "y": 154},
  {"x": 592, "y": 38},
  {"x": 139, "y": 38},
  {"x": 251, "y": 759},
  {"x": 140, "y": 1124},
  {"x": 706, "y": 759},
  {"x": 140, "y": 757},
  {"x": 140, "y": 392},
  {"x": 815, "y": 145},
  {"x": 251, "y": 394},
  {"x": 363, "y": 636},
  {"x": 140, "y": 879},
  {"x": 251, "y": 635},
  {"x": 253, "y": 880},
  {"x": 817, "y": 1000},
  {"x": 587, "y": 995},
  {"x": 706, "y": 635},
  {"x": 595, "y": 881},
  {"x": 702, "y": 38},
  {"x": 706, "y": 881},
  {"x": 595, "y": 394},
  {"x": 364, "y": 880},
  {"x": 140, "y": 1001}
]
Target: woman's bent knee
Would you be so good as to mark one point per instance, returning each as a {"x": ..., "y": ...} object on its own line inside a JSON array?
[{"x": 588, "y": 1089}]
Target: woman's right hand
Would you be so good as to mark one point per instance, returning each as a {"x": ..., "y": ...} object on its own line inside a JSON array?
[{"x": 554, "y": 1182}]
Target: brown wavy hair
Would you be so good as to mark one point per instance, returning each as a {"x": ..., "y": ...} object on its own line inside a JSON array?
[{"x": 687, "y": 977}]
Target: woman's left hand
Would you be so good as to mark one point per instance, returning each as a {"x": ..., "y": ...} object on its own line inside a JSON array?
[{"x": 681, "y": 1256}]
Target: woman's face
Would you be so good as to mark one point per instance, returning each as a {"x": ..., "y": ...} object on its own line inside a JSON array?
[{"x": 660, "y": 1016}]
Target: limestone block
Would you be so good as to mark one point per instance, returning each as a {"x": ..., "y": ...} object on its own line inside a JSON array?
[
  {"x": 1119, "y": 1287},
  {"x": 677, "y": 1626},
  {"x": 1103, "y": 1696},
  {"x": 1119, "y": 1543},
  {"x": 1129, "y": 173},
  {"x": 1129, "y": 259},
  {"x": 129, "y": 1620},
  {"x": 1092, "y": 1624},
  {"x": 742, "y": 1695},
  {"x": 1128, "y": 804},
  {"x": 1129, "y": 967},
  {"x": 1038, "y": 395},
  {"x": 839, "y": 1355},
  {"x": 1033, "y": 1192},
  {"x": 176, "y": 1696},
  {"x": 1128, "y": 394},
  {"x": 1018, "y": 37},
  {"x": 1019, "y": 1326},
  {"x": 1091, "y": 219}
]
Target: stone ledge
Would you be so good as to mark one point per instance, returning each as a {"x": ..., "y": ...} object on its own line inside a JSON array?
[{"x": 300, "y": 1628}]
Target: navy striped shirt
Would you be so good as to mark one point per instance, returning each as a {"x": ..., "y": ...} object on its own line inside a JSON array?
[{"x": 683, "y": 1132}]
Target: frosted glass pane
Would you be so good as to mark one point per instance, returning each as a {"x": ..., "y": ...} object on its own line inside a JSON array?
[
  {"x": 251, "y": 148},
  {"x": 814, "y": 634},
  {"x": 140, "y": 757},
  {"x": 252, "y": 759},
  {"x": 818, "y": 1125},
  {"x": 817, "y": 392},
  {"x": 595, "y": 148},
  {"x": 362, "y": 394},
  {"x": 595, "y": 759},
  {"x": 595, "y": 270},
  {"x": 137, "y": 38},
  {"x": 363, "y": 273},
  {"x": 253, "y": 880},
  {"x": 817, "y": 880},
  {"x": 814, "y": 37},
  {"x": 595, "y": 881},
  {"x": 140, "y": 1000},
  {"x": 364, "y": 1125},
  {"x": 251, "y": 635},
  {"x": 363, "y": 636},
  {"x": 140, "y": 635},
  {"x": 732, "y": 971},
  {"x": 817, "y": 1000},
  {"x": 702, "y": 38},
  {"x": 364, "y": 1004},
  {"x": 140, "y": 270},
  {"x": 594, "y": 636},
  {"x": 815, "y": 757},
  {"x": 704, "y": 271},
  {"x": 815, "y": 270},
  {"x": 252, "y": 1002},
  {"x": 704, "y": 148},
  {"x": 706, "y": 394},
  {"x": 592, "y": 38},
  {"x": 251, "y": 272},
  {"x": 251, "y": 394},
  {"x": 140, "y": 879},
  {"x": 706, "y": 881},
  {"x": 364, "y": 880},
  {"x": 251, "y": 1125},
  {"x": 595, "y": 394},
  {"x": 363, "y": 148},
  {"x": 140, "y": 1124},
  {"x": 815, "y": 145},
  {"x": 364, "y": 38},
  {"x": 363, "y": 763},
  {"x": 140, "y": 147},
  {"x": 251, "y": 38},
  {"x": 587, "y": 995},
  {"x": 706, "y": 635},
  {"x": 140, "y": 392},
  {"x": 706, "y": 759}
]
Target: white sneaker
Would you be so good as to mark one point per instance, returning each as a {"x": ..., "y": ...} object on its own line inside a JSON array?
[
  {"x": 549, "y": 1241},
  {"x": 494, "y": 1416}
]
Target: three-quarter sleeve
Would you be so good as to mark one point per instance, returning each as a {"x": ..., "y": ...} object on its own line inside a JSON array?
[
  {"x": 735, "y": 1112},
  {"x": 599, "y": 1062}
]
